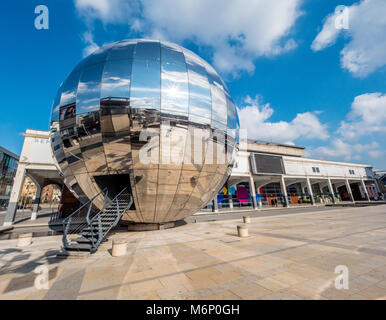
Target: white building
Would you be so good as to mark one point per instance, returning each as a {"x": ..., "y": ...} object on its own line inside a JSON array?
[{"x": 277, "y": 173}]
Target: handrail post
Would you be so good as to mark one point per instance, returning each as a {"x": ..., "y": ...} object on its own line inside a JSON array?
[{"x": 88, "y": 213}]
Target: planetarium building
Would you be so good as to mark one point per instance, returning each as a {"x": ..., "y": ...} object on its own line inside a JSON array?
[{"x": 150, "y": 118}]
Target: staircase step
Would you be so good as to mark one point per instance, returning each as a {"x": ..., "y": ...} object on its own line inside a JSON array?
[
  {"x": 84, "y": 240},
  {"x": 95, "y": 231},
  {"x": 89, "y": 236},
  {"x": 107, "y": 219},
  {"x": 78, "y": 247}
]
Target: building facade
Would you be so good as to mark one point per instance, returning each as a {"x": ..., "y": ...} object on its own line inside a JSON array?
[
  {"x": 37, "y": 163},
  {"x": 8, "y": 166},
  {"x": 269, "y": 174}
]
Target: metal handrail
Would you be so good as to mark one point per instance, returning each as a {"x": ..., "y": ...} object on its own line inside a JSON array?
[
  {"x": 98, "y": 218},
  {"x": 71, "y": 227},
  {"x": 80, "y": 208},
  {"x": 98, "y": 231}
]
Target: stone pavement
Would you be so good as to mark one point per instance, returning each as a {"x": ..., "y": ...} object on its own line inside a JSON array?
[
  {"x": 285, "y": 257},
  {"x": 45, "y": 216}
]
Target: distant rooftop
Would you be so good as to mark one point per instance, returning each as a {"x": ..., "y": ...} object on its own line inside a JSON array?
[
  {"x": 275, "y": 144},
  {"x": 10, "y": 153}
]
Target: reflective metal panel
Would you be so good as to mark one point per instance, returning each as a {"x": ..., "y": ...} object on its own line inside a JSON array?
[
  {"x": 174, "y": 88},
  {"x": 122, "y": 50},
  {"x": 90, "y": 141},
  {"x": 116, "y": 80},
  {"x": 55, "y": 105},
  {"x": 149, "y": 114},
  {"x": 70, "y": 87},
  {"x": 148, "y": 50},
  {"x": 89, "y": 89},
  {"x": 219, "y": 105},
  {"x": 199, "y": 91},
  {"x": 146, "y": 84},
  {"x": 171, "y": 53}
]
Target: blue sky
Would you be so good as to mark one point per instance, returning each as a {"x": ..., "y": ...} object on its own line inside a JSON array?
[{"x": 295, "y": 77}]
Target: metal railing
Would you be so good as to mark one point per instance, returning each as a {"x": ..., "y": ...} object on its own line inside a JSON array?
[
  {"x": 98, "y": 232},
  {"x": 80, "y": 218}
]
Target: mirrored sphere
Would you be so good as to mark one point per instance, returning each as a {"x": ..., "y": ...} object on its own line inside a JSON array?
[{"x": 148, "y": 115}]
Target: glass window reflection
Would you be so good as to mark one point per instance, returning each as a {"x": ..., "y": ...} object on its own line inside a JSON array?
[
  {"x": 146, "y": 84},
  {"x": 174, "y": 88},
  {"x": 89, "y": 89}
]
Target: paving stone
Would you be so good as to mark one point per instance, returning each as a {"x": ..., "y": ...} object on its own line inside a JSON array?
[{"x": 286, "y": 257}]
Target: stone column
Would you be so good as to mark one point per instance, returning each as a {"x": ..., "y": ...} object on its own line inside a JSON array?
[
  {"x": 215, "y": 204},
  {"x": 15, "y": 195},
  {"x": 260, "y": 202},
  {"x": 365, "y": 190},
  {"x": 310, "y": 191},
  {"x": 36, "y": 202},
  {"x": 331, "y": 190},
  {"x": 284, "y": 190},
  {"x": 347, "y": 183},
  {"x": 253, "y": 192},
  {"x": 230, "y": 200}
]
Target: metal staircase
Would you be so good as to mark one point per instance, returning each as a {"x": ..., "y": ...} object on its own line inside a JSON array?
[{"x": 92, "y": 226}]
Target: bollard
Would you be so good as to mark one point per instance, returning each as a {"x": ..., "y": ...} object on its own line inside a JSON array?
[
  {"x": 247, "y": 219},
  {"x": 24, "y": 239},
  {"x": 119, "y": 247},
  {"x": 242, "y": 231}
]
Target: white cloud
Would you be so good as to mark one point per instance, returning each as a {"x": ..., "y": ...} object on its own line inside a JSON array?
[
  {"x": 367, "y": 115},
  {"x": 340, "y": 149},
  {"x": 366, "y": 50},
  {"x": 91, "y": 46},
  {"x": 254, "y": 117},
  {"x": 328, "y": 35},
  {"x": 108, "y": 11},
  {"x": 236, "y": 31}
]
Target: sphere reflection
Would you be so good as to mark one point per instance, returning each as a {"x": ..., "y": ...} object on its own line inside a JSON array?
[{"x": 150, "y": 115}]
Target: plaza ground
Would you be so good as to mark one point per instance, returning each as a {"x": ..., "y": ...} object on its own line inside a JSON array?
[{"x": 286, "y": 256}]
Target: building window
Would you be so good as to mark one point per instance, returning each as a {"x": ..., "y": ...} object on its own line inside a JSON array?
[{"x": 315, "y": 170}]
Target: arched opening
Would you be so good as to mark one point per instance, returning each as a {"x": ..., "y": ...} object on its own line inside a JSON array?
[{"x": 50, "y": 198}]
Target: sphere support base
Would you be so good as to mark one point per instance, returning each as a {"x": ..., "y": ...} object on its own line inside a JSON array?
[{"x": 150, "y": 226}]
